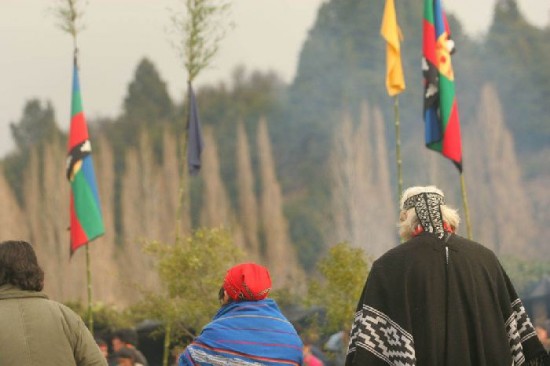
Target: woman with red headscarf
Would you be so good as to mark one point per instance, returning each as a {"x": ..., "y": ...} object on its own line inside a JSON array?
[{"x": 249, "y": 329}]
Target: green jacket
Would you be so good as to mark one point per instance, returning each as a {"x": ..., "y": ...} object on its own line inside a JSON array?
[{"x": 36, "y": 331}]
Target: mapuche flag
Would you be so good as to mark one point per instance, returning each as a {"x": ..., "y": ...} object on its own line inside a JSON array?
[
  {"x": 86, "y": 220},
  {"x": 395, "y": 80},
  {"x": 440, "y": 107}
]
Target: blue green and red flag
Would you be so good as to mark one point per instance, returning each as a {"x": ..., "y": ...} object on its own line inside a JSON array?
[
  {"x": 86, "y": 219},
  {"x": 442, "y": 126}
]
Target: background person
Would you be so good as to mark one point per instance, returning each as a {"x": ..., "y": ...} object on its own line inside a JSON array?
[
  {"x": 36, "y": 331},
  {"x": 542, "y": 335},
  {"x": 128, "y": 338},
  {"x": 125, "y": 357},
  {"x": 337, "y": 347},
  {"x": 310, "y": 358},
  {"x": 440, "y": 299}
]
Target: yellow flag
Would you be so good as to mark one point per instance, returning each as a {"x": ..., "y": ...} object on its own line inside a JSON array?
[{"x": 395, "y": 80}]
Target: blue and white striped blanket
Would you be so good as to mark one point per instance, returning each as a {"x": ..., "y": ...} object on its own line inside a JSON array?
[{"x": 246, "y": 333}]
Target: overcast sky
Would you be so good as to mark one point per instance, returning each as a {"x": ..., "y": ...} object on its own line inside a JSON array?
[{"x": 36, "y": 57}]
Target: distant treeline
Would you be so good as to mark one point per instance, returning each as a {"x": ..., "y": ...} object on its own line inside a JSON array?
[{"x": 319, "y": 153}]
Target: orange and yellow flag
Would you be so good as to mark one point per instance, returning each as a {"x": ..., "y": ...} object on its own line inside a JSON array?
[{"x": 395, "y": 79}]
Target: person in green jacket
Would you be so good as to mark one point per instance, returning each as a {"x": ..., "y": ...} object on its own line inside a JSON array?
[{"x": 33, "y": 329}]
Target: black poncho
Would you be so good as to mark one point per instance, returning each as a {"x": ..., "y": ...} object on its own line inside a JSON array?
[{"x": 435, "y": 302}]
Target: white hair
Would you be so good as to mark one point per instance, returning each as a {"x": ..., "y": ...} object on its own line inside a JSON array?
[{"x": 408, "y": 221}]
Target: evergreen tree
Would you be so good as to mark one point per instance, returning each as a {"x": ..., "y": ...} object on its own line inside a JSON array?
[
  {"x": 35, "y": 128},
  {"x": 343, "y": 271},
  {"x": 280, "y": 254},
  {"x": 499, "y": 197},
  {"x": 215, "y": 210},
  {"x": 37, "y": 125},
  {"x": 515, "y": 54},
  {"x": 250, "y": 96},
  {"x": 147, "y": 100},
  {"x": 248, "y": 203}
]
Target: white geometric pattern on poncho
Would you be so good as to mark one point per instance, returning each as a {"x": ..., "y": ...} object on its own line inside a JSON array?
[
  {"x": 219, "y": 360},
  {"x": 375, "y": 332},
  {"x": 519, "y": 329}
]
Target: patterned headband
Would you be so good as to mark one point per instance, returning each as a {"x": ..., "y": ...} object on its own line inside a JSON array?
[
  {"x": 411, "y": 201},
  {"x": 427, "y": 206}
]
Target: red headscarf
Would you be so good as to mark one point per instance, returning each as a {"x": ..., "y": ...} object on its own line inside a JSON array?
[{"x": 247, "y": 281}]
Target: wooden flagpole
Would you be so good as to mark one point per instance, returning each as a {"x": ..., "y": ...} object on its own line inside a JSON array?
[
  {"x": 184, "y": 183},
  {"x": 466, "y": 207},
  {"x": 89, "y": 279},
  {"x": 395, "y": 79},
  {"x": 398, "y": 147},
  {"x": 398, "y": 154},
  {"x": 68, "y": 14},
  {"x": 182, "y": 188},
  {"x": 88, "y": 261}
]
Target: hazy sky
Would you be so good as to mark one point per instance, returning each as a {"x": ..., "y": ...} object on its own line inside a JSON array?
[{"x": 36, "y": 58}]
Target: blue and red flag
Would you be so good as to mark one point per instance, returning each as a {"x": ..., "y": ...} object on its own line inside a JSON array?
[
  {"x": 86, "y": 219},
  {"x": 442, "y": 126}
]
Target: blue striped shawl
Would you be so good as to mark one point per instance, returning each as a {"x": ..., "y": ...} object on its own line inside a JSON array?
[{"x": 246, "y": 333}]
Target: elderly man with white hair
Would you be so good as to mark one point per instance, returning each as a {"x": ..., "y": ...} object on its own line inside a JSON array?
[{"x": 440, "y": 299}]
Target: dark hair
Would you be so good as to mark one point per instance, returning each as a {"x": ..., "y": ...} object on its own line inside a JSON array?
[
  {"x": 100, "y": 342},
  {"x": 127, "y": 335},
  {"x": 126, "y": 353},
  {"x": 221, "y": 296},
  {"x": 19, "y": 266}
]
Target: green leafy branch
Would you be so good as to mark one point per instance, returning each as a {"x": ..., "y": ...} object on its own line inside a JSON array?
[
  {"x": 200, "y": 30},
  {"x": 69, "y": 14}
]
